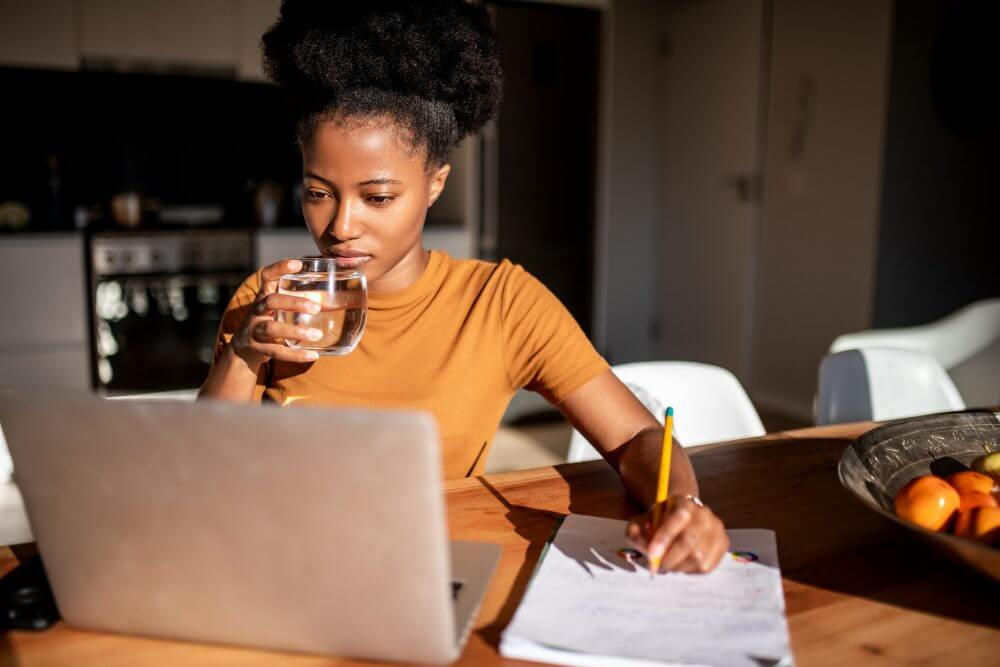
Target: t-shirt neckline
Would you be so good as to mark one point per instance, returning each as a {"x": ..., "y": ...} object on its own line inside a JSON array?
[{"x": 424, "y": 284}]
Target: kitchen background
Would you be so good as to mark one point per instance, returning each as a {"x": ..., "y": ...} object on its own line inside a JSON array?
[{"x": 729, "y": 181}]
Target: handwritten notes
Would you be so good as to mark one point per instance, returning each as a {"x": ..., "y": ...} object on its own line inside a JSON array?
[{"x": 588, "y": 604}]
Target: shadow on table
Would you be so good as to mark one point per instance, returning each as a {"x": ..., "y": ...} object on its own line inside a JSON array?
[
  {"x": 7, "y": 656},
  {"x": 537, "y": 525},
  {"x": 534, "y": 525},
  {"x": 15, "y": 555}
]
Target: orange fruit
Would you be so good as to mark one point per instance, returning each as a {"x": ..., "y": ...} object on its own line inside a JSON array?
[
  {"x": 970, "y": 499},
  {"x": 928, "y": 501},
  {"x": 969, "y": 480},
  {"x": 979, "y": 523}
]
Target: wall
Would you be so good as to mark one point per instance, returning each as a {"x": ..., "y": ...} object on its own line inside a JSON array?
[
  {"x": 940, "y": 226},
  {"x": 629, "y": 290},
  {"x": 822, "y": 178}
]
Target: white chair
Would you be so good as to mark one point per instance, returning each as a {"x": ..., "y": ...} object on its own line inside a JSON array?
[
  {"x": 876, "y": 384},
  {"x": 709, "y": 403},
  {"x": 14, "y": 528},
  {"x": 6, "y": 465},
  {"x": 966, "y": 344},
  {"x": 181, "y": 395}
]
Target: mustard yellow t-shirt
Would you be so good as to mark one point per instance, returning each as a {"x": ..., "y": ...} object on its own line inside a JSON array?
[{"x": 457, "y": 343}]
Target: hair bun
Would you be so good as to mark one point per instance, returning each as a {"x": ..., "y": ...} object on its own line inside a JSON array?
[{"x": 441, "y": 51}]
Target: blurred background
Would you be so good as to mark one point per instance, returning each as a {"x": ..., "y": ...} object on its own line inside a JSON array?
[{"x": 739, "y": 183}]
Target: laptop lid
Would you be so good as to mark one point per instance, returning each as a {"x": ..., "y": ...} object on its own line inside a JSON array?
[{"x": 305, "y": 529}]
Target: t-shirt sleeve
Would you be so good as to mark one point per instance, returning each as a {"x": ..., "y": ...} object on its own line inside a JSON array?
[
  {"x": 236, "y": 311},
  {"x": 545, "y": 350}
]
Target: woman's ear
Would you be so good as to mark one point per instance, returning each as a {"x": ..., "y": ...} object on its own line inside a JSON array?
[{"x": 438, "y": 178}]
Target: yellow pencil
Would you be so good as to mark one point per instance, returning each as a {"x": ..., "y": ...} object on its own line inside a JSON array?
[{"x": 663, "y": 483}]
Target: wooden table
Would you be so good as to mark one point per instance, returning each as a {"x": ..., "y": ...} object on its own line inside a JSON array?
[{"x": 858, "y": 590}]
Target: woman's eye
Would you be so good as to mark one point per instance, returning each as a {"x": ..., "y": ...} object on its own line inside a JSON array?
[
  {"x": 380, "y": 200},
  {"x": 315, "y": 194}
]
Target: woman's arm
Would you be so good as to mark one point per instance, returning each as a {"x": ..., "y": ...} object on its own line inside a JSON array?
[
  {"x": 631, "y": 440},
  {"x": 230, "y": 378},
  {"x": 623, "y": 431}
]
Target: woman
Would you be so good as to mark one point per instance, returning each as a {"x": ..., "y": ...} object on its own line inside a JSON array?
[{"x": 384, "y": 91}]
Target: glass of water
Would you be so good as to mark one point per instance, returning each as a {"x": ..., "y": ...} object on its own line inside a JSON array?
[{"x": 339, "y": 286}]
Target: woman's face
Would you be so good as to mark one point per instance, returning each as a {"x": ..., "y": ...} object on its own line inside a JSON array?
[{"x": 366, "y": 191}]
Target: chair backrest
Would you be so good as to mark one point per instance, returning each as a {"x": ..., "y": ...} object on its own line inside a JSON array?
[
  {"x": 182, "y": 395},
  {"x": 966, "y": 344},
  {"x": 710, "y": 403},
  {"x": 950, "y": 340},
  {"x": 882, "y": 383},
  {"x": 6, "y": 465}
]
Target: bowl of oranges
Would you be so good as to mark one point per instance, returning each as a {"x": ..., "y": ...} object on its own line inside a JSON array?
[{"x": 937, "y": 476}]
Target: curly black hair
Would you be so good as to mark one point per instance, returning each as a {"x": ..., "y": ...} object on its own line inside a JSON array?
[{"x": 431, "y": 65}]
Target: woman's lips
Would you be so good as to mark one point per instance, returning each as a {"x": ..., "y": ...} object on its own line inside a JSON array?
[{"x": 349, "y": 254}]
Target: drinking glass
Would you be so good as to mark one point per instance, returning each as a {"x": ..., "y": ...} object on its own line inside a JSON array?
[{"x": 339, "y": 286}]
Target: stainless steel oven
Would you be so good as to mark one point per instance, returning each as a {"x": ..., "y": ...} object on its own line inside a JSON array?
[{"x": 156, "y": 301}]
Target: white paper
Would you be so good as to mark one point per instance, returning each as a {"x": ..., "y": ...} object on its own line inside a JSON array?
[{"x": 588, "y": 605}]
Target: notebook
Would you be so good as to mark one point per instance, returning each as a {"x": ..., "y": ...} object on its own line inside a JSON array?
[{"x": 591, "y": 603}]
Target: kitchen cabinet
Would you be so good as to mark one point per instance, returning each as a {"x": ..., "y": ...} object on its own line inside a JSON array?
[
  {"x": 219, "y": 37},
  {"x": 253, "y": 18},
  {"x": 43, "y": 343},
  {"x": 41, "y": 33},
  {"x": 181, "y": 33}
]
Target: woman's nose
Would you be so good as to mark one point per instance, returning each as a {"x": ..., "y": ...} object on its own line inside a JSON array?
[{"x": 345, "y": 226}]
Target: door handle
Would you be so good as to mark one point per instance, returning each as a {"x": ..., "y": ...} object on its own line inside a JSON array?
[{"x": 746, "y": 186}]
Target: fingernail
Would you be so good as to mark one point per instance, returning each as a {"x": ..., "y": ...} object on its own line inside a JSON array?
[
  {"x": 314, "y": 334},
  {"x": 655, "y": 551},
  {"x": 313, "y": 308},
  {"x": 312, "y": 356},
  {"x": 294, "y": 265}
]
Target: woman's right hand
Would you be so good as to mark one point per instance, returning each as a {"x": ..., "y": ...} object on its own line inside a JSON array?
[{"x": 261, "y": 337}]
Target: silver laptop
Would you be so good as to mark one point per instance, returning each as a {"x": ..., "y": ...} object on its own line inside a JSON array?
[{"x": 305, "y": 529}]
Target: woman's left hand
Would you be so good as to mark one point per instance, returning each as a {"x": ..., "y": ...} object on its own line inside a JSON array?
[{"x": 689, "y": 537}]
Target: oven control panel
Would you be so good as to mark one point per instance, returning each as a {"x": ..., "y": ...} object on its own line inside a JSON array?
[{"x": 171, "y": 253}]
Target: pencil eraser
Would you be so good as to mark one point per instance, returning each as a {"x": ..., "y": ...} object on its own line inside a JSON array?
[{"x": 670, "y": 412}]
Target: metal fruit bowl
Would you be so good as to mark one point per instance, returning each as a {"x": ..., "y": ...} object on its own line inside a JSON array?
[{"x": 877, "y": 464}]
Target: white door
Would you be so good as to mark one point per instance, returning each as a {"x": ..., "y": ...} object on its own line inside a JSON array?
[{"x": 709, "y": 108}]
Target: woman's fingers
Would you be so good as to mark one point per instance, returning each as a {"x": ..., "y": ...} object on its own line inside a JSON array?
[
  {"x": 700, "y": 547},
  {"x": 717, "y": 551},
  {"x": 636, "y": 532},
  {"x": 284, "y": 353},
  {"x": 706, "y": 558},
  {"x": 270, "y": 274},
  {"x": 686, "y": 544},
  {"x": 268, "y": 304},
  {"x": 689, "y": 538},
  {"x": 677, "y": 519},
  {"x": 261, "y": 337},
  {"x": 271, "y": 331}
]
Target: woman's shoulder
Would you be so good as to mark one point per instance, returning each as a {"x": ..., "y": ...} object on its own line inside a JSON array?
[{"x": 484, "y": 273}]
